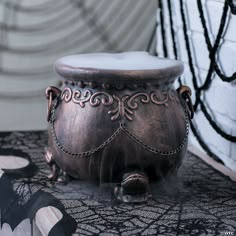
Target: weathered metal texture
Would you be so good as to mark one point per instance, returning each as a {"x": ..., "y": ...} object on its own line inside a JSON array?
[{"x": 101, "y": 129}]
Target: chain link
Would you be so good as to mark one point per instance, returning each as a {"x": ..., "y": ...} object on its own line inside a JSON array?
[
  {"x": 83, "y": 154},
  {"x": 157, "y": 151},
  {"x": 117, "y": 132}
]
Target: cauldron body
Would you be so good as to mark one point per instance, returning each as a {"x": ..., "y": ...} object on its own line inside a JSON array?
[{"x": 105, "y": 122}]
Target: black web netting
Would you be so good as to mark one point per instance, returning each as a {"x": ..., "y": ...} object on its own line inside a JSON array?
[
  {"x": 201, "y": 201},
  {"x": 203, "y": 84}
]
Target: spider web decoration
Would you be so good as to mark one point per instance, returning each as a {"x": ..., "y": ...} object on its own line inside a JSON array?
[
  {"x": 201, "y": 201},
  {"x": 201, "y": 84},
  {"x": 33, "y": 34}
]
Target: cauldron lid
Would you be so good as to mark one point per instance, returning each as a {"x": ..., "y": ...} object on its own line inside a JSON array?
[{"x": 118, "y": 67}]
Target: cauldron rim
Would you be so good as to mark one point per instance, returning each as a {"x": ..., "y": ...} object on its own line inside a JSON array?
[{"x": 154, "y": 74}]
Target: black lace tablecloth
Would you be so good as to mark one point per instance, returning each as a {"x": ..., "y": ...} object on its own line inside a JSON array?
[{"x": 201, "y": 201}]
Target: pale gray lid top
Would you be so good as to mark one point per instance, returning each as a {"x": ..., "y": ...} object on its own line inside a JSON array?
[{"x": 120, "y": 66}]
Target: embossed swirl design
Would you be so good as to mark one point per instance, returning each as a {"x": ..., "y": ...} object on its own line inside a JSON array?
[{"x": 124, "y": 106}]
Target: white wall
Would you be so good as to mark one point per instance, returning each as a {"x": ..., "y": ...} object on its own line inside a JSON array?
[{"x": 221, "y": 97}]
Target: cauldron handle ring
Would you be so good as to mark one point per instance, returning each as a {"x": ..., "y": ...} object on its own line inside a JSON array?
[
  {"x": 185, "y": 92},
  {"x": 51, "y": 93}
]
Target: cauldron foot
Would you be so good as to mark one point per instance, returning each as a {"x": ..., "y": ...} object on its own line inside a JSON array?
[
  {"x": 55, "y": 170},
  {"x": 57, "y": 174},
  {"x": 63, "y": 178},
  {"x": 134, "y": 188}
]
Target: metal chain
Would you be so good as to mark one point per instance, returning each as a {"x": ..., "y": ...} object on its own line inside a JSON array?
[
  {"x": 117, "y": 132},
  {"x": 83, "y": 154},
  {"x": 157, "y": 151}
]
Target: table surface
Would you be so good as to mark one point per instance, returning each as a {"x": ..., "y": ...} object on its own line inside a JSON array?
[{"x": 200, "y": 201}]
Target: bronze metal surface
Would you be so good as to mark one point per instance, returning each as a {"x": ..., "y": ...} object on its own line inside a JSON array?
[{"x": 130, "y": 131}]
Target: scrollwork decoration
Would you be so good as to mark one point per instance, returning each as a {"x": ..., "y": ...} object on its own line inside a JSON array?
[
  {"x": 101, "y": 97},
  {"x": 66, "y": 94},
  {"x": 173, "y": 96},
  {"x": 160, "y": 98},
  {"x": 134, "y": 104},
  {"x": 121, "y": 110},
  {"x": 76, "y": 97},
  {"x": 123, "y": 107}
]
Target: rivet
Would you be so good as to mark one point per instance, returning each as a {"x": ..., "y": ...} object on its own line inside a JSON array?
[
  {"x": 106, "y": 86},
  {"x": 81, "y": 84},
  {"x": 92, "y": 84},
  {"x": 119, "y": 86},
  {"x": 71, "y": 83}
]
